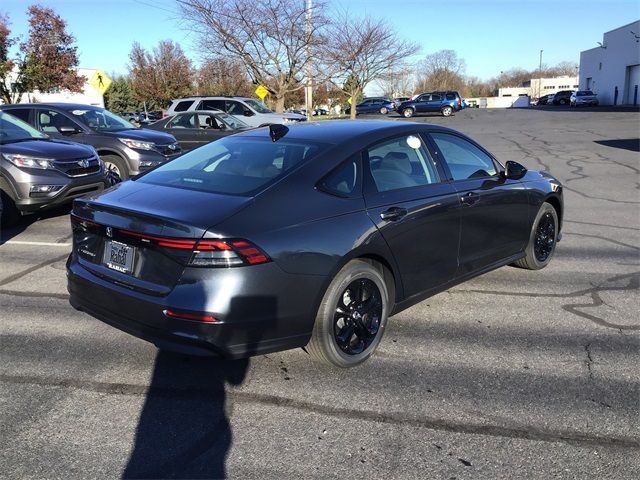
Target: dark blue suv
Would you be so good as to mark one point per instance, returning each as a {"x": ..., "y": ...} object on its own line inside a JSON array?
[
  {"x": 444, "y": 102},
  {"x": 381, "y": 105}
]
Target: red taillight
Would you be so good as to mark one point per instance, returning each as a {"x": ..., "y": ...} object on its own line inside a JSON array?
[
  {"x": 198, "y": 317},
  {"x": 210, "y": 253}
]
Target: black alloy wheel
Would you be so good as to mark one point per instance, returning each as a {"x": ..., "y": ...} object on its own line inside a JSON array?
[
  {"x": 357, "y": 317},
  {"x": 545, "y": 237},
  {"x": 542, "y": 240},
  {"x": 353, "y": 314}
]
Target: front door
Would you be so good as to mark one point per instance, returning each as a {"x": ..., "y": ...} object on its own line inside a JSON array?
[
  {"x": 494, "y": 211},
  {"x": 416, "y": 213}
]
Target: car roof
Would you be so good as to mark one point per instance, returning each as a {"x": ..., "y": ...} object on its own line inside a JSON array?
[
  {"x": 60, "y": 105},
  {"x": 338, "y": 131},
  {"x": 209, "y": 110}
]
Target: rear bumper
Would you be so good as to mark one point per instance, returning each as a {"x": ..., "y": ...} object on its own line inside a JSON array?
[{"x": 260, "y": 309}]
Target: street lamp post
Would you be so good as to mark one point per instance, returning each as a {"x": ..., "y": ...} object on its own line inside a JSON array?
[
  {"x": 309, "y": 88},
  {"x": 540, "y": 75}
]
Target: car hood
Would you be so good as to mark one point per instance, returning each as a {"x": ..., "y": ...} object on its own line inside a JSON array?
[
  {"x": 45, "y": 148},
  {"x": 146, "y": 135},
  {"x": 159, "y": 209}
]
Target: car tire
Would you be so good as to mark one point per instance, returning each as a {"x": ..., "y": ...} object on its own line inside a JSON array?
[
  {"x": 407, "y": 112},
  {"x": 347, "y": 331},
  {"x": 562, "y": 102},
  {"x": 542, "y": 240},
  {"x": 447, "y": 111},
  {"x": 116, "y": 165},
  {"x": 384, "y": 110},
  {"x": 9, "y": 213}
]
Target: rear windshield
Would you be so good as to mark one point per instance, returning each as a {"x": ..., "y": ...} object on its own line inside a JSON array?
[
  {"x": 233, "y": 165},
  {"x": 583, "y": 93}
]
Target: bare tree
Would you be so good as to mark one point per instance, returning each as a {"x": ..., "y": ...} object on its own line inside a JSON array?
[
  {"x": 442, "y": 70},
  {"x": 223, "y": 76},
  {"x": 562, "y": 68},
  {"x": 269, "y": 37},
  {"x": 396, "y": 83},
  {"x": 361, "y": 50},
  {"x": 161, "y": 75}
]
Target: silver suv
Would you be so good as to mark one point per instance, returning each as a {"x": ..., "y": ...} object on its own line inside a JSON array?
[
  {"x": 37, "y": 172},
  {"x": 249, "y": 110}
]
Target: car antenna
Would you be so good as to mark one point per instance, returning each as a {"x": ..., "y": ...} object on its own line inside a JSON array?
[{"x": 277, "y": 131}]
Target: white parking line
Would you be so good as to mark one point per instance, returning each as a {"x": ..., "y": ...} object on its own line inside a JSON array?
[{"x": 38, "y": 244}]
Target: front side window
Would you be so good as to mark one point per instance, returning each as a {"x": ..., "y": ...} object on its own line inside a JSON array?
[
  {"x": 51, "y": 121},
  {"x": 257, "y": 106},
  {"x": 236, "y": 108},
  {"x": 101, "y": 120},
  {"x": 463, "y": 158},
  {"x": 399, "y": 163},
  {"x": 236, "y": 166}
]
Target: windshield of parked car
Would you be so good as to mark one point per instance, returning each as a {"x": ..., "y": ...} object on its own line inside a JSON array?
[
  {"x": 101, "y": 120},
  {"x": 231, "y": 121},
  {"x": 233, "y": 165},
  {"x": 584, "y": 93},
  {"x": 13, "y": 129},
  {"x": 257, "y": 106}
]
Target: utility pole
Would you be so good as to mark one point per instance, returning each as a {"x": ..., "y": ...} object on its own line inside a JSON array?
[
  {"x": 309, "y": 88},
  {"x": 540, "y": 75}
]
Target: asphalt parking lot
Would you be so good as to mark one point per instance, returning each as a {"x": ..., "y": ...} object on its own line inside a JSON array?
[{"x": 515, "y": 374}]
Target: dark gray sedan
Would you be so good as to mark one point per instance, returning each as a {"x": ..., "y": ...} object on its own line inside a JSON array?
[
  {"x": 311, "y": 235},
  {"x": 197, "y": 128}
]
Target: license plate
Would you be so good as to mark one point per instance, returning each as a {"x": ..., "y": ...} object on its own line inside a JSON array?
[{"x": 118, "y": 256}]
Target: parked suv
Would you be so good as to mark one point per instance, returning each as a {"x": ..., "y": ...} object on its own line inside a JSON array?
[
  {"x": 37, "y": 172},
  {"x": 444, "y": 102},
  {"x": 563, "y": 97},
  {"x": 125, "y": 149},
  {"x": 249, "y": 110}
]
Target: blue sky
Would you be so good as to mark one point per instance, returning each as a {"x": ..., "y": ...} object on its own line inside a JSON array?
[{"x": 491, "y": 35}]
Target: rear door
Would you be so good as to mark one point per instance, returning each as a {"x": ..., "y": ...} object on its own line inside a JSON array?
[
  {"x": 494, "y": 211},
  {"x": 417, "y": 214},
  {"x": 185, "y": 128}
]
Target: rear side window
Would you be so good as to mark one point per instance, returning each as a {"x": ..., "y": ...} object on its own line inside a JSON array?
[
  {"x": 403, "y": 162},
  {"x": 344, "y": 181},
  {"x": 211, "y": 105},
  {"x": 463, "y": 158},
  {"x": 21, "y": 113},
  {"x": 183, "y": 106},
  {"x": 183, "y": 121},
  {"x": 451, "y": 96},
  {"x": 236, "y": 166}
]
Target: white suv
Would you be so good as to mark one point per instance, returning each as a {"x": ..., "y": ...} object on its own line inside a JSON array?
[{"x": 249, "y": 110}]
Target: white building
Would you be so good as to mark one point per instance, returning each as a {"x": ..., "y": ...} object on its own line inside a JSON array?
[
  {"x": 537, "y": 87},
  {"x": 612, "y": 70},
  {"x": 88, "y": 96}
]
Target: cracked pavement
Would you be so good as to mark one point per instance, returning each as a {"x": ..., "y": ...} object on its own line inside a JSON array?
[{"x": 514, "y": 374}]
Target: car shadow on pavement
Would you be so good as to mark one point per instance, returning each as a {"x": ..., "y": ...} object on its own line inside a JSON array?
[
  {"x": 183, "y": 430},
  {"x": 7, "y": 233},
  {"x": 632, "y": 144}
]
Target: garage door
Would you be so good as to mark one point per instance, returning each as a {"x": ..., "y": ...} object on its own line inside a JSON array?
[{"x": 633, "y": 85}]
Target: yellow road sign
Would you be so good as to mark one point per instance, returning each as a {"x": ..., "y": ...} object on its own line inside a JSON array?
[
  {"x": 262, "y": 92},
  {"x": 100, "y": 81},
  {"x": 349, "y": 100}
]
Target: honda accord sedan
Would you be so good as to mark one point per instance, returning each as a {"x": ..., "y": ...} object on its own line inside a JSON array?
[{"x": 309, "y": 235}]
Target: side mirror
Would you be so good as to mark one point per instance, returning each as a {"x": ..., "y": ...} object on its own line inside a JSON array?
[
  {"x": 248, "y": 113},
  {"x": 68, "y": 130},
  {"x": 514, "y": 170}
]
